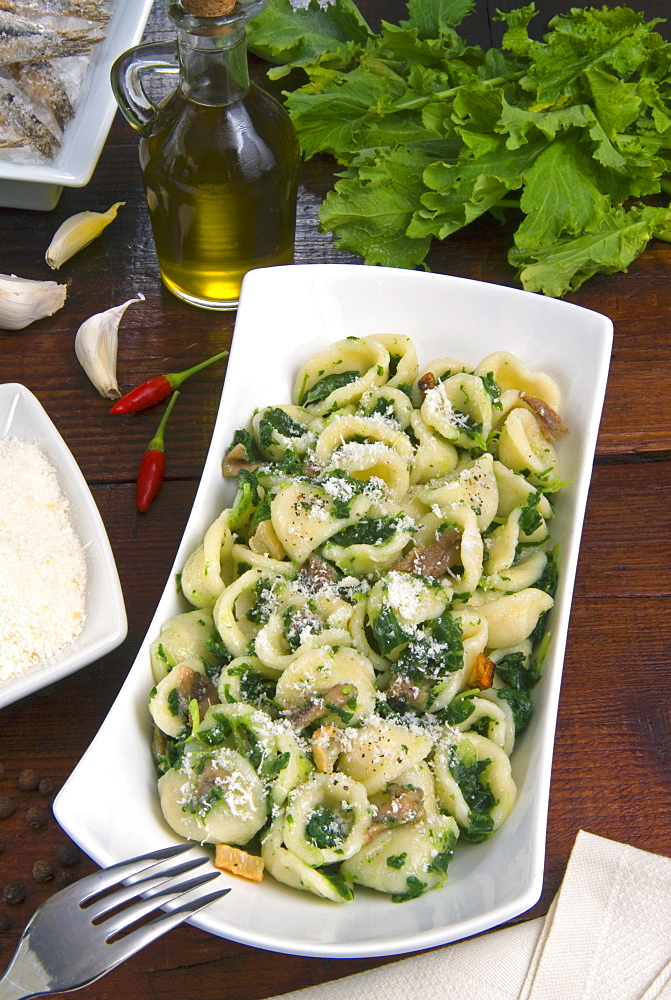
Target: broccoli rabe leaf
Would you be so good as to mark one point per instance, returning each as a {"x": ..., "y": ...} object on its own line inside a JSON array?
[
  {"x": 276, "y": 419},
  {"x": 521, "y": 706},
  {"x": 388, "y": 630},
  {"x": 325, "y": 386},
  {"x": 571, "y": 131}
]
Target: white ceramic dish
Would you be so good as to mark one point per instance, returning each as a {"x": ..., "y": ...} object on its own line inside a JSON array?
[
  {"x": 23, "y": 417},
  {"x": 285, "y": 314},
  {"x": 39, "y": 186}
]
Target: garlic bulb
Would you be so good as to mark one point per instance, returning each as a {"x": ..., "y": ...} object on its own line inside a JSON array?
[
  {"x": 76, "y": 233},
  {"x": 23, "y": 300},
  {"x": 96, "y": 347}
]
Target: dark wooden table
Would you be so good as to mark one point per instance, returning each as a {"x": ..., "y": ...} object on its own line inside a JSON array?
[{"x": 612, "y": 764}]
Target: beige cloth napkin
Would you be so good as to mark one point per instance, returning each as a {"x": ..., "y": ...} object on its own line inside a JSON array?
[{"x": 607, "y": 936}]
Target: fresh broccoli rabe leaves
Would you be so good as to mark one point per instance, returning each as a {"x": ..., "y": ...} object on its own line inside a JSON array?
[{"x": 572, "y": 131}]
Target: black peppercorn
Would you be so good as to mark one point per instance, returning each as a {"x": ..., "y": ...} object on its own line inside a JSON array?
[
  {"x": 28, "y": 780},
  {"x": 43, "y": 871},
  {"x": 46, "y": 786},
  {"x": 64, "y": 878},
  {"x": 7, "y": 806},
  {"x": 14, "y": 893},
  {"x": 5, "y": 922},
  {"x": 68, "y": 854},
  {"x": 37, "y": 816}
]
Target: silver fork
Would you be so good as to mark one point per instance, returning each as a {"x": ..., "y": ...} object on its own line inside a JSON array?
[{"x": 71, "y": 940}]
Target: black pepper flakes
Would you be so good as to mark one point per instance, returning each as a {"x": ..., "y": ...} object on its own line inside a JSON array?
[
  {"x": 46, "y": 786},
  {"x": 43, "y": 871},
  {"x": 28, "y": 780},
  {"x": 68, "y": 854},
  {"x": 37, "y": 816},
  {"x": 7, "y": 806},
  {"x": 14, "y": 893},
  {"x": 64, "y": 878}
]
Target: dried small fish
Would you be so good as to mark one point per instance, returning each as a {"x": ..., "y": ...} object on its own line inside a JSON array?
[
  {"x": 17, "y": 26},
  {"x": 88, "y": 10},
  {"x": 40, "y": 83},
  {"x": 15, "y": 113},
  {"x": 28, "y": 48},
  {"x": 37, "y": 96}
]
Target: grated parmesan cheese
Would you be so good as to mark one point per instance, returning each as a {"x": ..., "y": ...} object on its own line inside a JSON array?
[
  {"x": 403, "y": 594},
  {"x": 42, "y": 567}
]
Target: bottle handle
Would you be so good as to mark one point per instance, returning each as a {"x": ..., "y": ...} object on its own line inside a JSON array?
[{"x": 126, "y": 78}]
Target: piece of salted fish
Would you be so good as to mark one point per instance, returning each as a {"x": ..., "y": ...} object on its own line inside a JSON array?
[
  {"x": 8, "y": 143},
  {"x": 41, "y": 84},
  {"x": 31, "y": 48},
  {"x": 16, "y": 114},
  {"x": 88, "y": 10},
  {"x": 15, "y": 25}
]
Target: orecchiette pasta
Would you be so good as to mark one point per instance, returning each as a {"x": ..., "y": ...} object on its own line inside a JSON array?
[{"x": 367, "y": 621}]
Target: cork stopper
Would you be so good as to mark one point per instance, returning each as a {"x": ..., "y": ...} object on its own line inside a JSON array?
[{"x": 208, "y": 8}]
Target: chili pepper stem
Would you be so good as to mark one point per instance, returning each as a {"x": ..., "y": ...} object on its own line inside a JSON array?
[
  {"x": 157, "y": 442},
  {"x": 155, "y": 390},
  {"x": 176, "y": 378}
]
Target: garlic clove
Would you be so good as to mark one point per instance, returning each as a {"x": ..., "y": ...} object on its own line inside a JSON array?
[
  {"x": 96, "y": 346},
  {"x": 22, "y": 300},
  {"x": 76, "y": 233}
]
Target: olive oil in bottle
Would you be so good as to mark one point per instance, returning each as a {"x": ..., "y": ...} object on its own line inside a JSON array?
[{"x": 219, "y": 156}]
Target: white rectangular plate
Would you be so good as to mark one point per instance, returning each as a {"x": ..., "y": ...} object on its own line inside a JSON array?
[
  {"x": 110, "y": 803},
  {"x": 36, "y": 185},
  {"x": 22, "y": 416}
]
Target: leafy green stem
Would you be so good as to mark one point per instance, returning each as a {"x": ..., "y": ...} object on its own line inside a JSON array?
[{"x": 420, "y": 102}]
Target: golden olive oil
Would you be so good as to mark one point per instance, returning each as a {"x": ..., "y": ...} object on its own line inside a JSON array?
[
  {"x": 219, "y": 155},
  {"x": 221, "y": 190}
]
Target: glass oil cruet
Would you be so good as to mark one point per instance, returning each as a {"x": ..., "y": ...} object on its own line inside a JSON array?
[{"x": 219, "y": 156}]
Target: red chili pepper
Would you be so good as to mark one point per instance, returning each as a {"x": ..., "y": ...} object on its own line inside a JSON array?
[
  {"x": 152, "y": 467},
  {"x": 155, "y": 390}
]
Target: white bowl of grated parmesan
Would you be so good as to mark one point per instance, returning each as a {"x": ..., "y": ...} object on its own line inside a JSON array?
[{"x": 61, "y": 605}]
